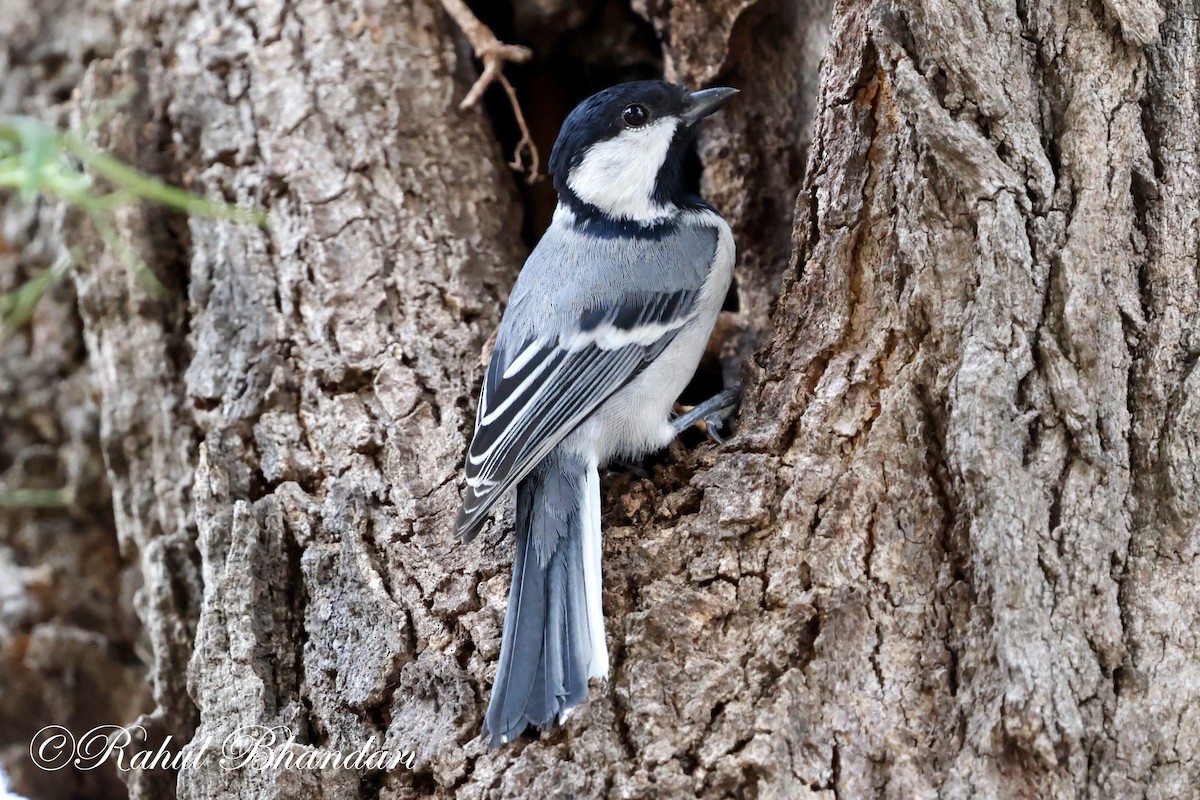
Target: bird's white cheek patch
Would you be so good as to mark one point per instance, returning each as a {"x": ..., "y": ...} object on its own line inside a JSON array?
[{"x": 618, "y": 175}]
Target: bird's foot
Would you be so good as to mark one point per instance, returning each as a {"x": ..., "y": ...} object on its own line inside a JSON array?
[{"x": 709, "y": 416}]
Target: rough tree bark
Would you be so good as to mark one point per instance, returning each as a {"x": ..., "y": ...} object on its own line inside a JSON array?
[
  {"x": 952, "y": 550},
  {"x": 71, "y": 651}
]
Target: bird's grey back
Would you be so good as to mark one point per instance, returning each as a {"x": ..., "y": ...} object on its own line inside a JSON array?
[{"x": 572, "y": 271}]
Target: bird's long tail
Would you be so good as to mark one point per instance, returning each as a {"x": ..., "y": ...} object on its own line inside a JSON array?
[{"x": 554, "y": 629}]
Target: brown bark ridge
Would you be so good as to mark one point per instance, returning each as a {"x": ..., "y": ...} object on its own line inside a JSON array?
[
  {"x": 951, "y": 550},
  {"x": 973, "y": 405}
]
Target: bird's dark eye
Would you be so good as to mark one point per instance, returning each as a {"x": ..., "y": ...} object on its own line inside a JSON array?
[{"x": 635, "y": 116}]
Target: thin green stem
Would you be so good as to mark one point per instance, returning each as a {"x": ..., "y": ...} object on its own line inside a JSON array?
[
  {"x": 36, "y": 498},
  {"x": 37, "y": 160}
]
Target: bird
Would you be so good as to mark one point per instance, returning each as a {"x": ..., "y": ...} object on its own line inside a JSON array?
[{"x": 605, "y": 326}]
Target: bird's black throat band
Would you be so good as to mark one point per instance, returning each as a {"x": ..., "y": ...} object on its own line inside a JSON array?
[{"x": 588, "y": 219}]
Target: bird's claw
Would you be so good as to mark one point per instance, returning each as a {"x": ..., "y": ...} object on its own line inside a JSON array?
[
  {"x": 710, "y": 425},
  {"x": 709, "y": 416}
]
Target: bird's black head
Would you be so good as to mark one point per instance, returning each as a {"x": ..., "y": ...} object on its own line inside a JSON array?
[{"x": 620, "y": 152}]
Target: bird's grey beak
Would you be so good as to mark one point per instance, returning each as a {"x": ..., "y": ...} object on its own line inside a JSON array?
[{"x": 698, "y": 105}]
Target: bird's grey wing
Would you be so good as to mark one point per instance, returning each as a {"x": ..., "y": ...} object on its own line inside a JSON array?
[{"x": 538, "y": 390}]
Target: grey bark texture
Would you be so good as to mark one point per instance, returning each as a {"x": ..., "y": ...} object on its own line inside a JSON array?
[{"x": 952, "y": 550}]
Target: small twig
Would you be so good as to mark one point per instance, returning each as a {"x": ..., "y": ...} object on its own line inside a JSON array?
[
  {"x": 525, "y": 144},
  {"x": 494, "y": 54}
]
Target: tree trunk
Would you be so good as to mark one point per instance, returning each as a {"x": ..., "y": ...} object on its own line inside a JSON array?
[{"x": 952, "y": 549}]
